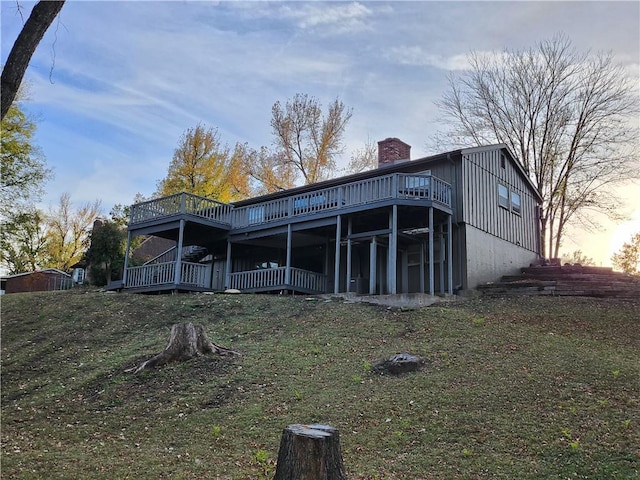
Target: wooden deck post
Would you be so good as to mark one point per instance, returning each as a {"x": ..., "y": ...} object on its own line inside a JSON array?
[
  {"x": 126, "y": 259},
  {"x": 373, "y": 257},
  {"x": 423, "y": 245},
  {"x": 449, "y": 256},
  {"x": 178, "y": 271},
  {"x": 441, "y": 257},
  {"x": 349, "y": 232},
  {"x": 227, "y": 273},
  {"x": 392, "y": 253},
  {"x": 310, "y": 452},
  {"x": 431, "y": 259},
  {"x": 405, "y": 270},
  {"x": 336, "y": 273},
  {"x": 287, "y": 272}
]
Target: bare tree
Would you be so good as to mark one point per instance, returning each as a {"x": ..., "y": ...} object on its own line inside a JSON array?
[
  {"x": 567, "y": 115},
  {"x": 266, "y": 172},
  {"x": 307, "y": 139},
  {"x": 41, "y": 17},
  {"x": 365, "y": 158}
]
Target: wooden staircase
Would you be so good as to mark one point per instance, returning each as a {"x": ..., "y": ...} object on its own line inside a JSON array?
[{"x": 568, "y": 280}]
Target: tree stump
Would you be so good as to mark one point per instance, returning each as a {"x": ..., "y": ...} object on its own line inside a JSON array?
[
  {"x": 186, "y": 341},
  {"x": 310, "y": 452},
  {"x": 399, "y": 363}
]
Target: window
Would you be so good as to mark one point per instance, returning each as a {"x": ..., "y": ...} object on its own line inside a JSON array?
[
  {"x": 309, "y": 202},
  {"x": 256, "y": 214},
  {"x": 416, "y": 182},
  {"x": 503, "y": 196},
  {"x": 516, "y": 204},
  {"x": 503, "y": 161}
]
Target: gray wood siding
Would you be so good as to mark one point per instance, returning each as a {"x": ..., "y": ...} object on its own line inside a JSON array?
[{"x": 481, "y": 174}]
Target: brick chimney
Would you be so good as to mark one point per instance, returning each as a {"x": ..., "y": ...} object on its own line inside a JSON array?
[{"x": 392, "y": 150}]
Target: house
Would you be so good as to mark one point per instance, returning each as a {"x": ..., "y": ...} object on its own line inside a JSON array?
[
  {"x": 38, "y": 281},
  {"x": 437, "y": 224}
]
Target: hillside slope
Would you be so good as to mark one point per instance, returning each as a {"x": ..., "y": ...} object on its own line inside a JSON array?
[{"x": 523, "y": 388}]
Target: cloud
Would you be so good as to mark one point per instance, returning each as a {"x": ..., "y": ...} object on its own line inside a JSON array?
[{"x": 331, "y": 18}]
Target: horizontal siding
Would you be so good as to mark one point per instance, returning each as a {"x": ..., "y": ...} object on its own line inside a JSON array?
[{"x": 481, "y": 174}]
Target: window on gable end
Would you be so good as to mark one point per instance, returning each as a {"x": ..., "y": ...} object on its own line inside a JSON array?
[
  {"x": 503, "y": 196},
  {"x": 516, "y": 203}
]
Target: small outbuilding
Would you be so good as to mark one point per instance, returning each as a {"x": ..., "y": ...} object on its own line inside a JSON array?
[{"x": 39, "y": 281}]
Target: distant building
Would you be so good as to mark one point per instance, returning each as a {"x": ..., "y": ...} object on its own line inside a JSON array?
[{"x": 39, "y": 281}]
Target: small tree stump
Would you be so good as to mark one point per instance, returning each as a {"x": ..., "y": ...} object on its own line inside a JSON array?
[
  {"x": 310, "y": 452},
  {"x": 399, "y": 363},
  {"x": 186, "y": 341}
]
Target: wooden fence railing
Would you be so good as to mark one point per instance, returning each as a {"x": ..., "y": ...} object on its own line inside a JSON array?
[
  {"x": 274, "y": 278},
  {"x": 181, "y": 203},
  {"x": 398, "y": 185},
  {"x": 192, "y": 274}
]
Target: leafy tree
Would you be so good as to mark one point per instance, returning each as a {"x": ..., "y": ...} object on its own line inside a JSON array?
[
  {"x": 577, "y": 258},
  {"x": 567, "y": 115},
  {"x": 202, "y": 166},
  {"x": 364, "y": 159},
  {"x": 42, "y": 15},
  {"x": 23, "y": 241},
  {"x": 106, "y": 253},
  {"x": 628, "y": 258},
  {"x": 68, "y": 231},
  {"x": 305, "y": 138},
  {"x": 22, "y": 170}
]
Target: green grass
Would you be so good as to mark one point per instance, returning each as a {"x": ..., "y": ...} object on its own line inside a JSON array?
[{"x": 523, "y": 388}]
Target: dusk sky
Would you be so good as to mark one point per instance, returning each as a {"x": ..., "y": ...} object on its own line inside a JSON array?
[{"x": 113, "y": 85}]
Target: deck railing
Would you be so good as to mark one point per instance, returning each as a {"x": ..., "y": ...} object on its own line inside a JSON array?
[
  {"x": 150, "y": 275},
  {"x": 192, "y": 274},
  {"x": 404, "y": 186},
  {"x": 276, "y": 278},
  {"x": 181, "y": 203},
  {"x": 307, "y": 280},
  {"x": 252, "y": 279},
  {"x": 397, "y": 185}
]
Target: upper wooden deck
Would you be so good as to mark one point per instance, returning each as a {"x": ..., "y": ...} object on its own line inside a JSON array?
[{"x": 354, "y": 196}]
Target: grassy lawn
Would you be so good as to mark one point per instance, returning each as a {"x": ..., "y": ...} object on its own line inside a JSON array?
[{"x": 518, "y": 388}]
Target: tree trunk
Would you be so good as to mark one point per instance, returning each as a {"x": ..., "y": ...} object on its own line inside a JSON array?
[
  {"x": 36, "y": 25},
  {"x": 310, "y": 452},
  {"x": 186, "y": 341}
]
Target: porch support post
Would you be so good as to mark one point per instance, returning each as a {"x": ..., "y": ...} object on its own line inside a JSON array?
[
  {"x": 405, "y": 271},
  {"x": 176, "y": 278},
  {"x": 441, "y": 257},
  {"x": 431, "y": 275},
  {"x": 126, "y": 259},
  {"x": 227, "y": 272},
  {"x": 423, "y": 245},
  {"x": 349, "y": 232},
  {"x": 392, "y": 274},
  {"x": 336, "y": 273},
  {"x": 287, "y": 272},
  {"x": 373, "y": 256},
  {"x": 449, "y": 256}
]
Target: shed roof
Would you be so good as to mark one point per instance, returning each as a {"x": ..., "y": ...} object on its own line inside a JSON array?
[{"x": 44, "y": 270}]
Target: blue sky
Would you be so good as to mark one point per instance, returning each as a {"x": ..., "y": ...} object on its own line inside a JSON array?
[{"x": 114, "y": 84}]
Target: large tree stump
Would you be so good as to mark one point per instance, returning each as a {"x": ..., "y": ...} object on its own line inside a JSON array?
[
  {"x": 310, "y": 452},
  {"x": 186, "y": 341}
]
